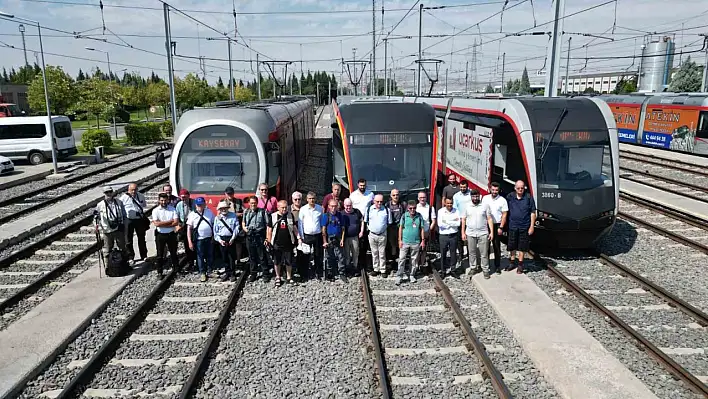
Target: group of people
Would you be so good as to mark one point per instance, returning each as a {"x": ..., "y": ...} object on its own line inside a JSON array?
[{"x": 328, "y": 240}]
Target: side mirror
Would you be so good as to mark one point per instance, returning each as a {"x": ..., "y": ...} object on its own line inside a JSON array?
[
  {"x": 439, "y": 123},
  {"x": 23, "y": 112},
  {"x": 334, "y": 125},
  {"x": 274, "y": 159},
  {"x": 160, "y": 160}
]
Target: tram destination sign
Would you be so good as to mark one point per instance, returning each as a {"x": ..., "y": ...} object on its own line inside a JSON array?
[
  {"x": 221, "y": 143},
  {"x": 585, "y": 136},
  {"x": 390, "y": 138}
]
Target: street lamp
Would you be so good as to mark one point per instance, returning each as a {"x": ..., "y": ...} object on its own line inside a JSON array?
[
  {"x": 46, "y": 89},
  {"x": 108, "y": 59}
]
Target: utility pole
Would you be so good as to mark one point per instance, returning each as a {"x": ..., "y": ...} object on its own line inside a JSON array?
[
  {"x": 446, "y": 69},
  {"x": 258, "y": 77},
  {"x": 420, "y": 46},
  {"x": 24, "y": 45},
  {"x": 373, "y": 46},
  {"x": 291, "y": 87},
  {"x": 371, "y": 76},
  {"x": 231, "y": 73},
  {"x": 467, "y": 68},
  {"x": 704, "y": 86},
  {"x": 329, "y": 92},
  {"x": 354, "y": 59},
  {"x": 502, "y": 77},
  {"x": 170, "y": 70},
  {"x": 385, "y": 64},
  {"x": 554, "y": 50},
  {"x": 474, "y": 67},
  {"x": 318, "y": 94},
  {"x": 567, "y": 66}
]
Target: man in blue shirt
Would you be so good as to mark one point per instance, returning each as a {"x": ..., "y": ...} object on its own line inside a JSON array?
[
  {"x": 377, "y": 219},
  {"x": 334, "y": 225},
  {"x": 522, "y": 218}
]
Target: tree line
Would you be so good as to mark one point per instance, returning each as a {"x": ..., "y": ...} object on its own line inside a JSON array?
[{"x": 98, "y": 94}]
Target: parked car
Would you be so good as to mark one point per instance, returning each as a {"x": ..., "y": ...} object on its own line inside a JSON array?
[
  {"x": 7, "y": 110},
  {"x": 6, "y": 165}
]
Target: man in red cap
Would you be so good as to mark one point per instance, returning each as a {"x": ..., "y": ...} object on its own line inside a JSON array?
[{"x": 184, "y": 207}]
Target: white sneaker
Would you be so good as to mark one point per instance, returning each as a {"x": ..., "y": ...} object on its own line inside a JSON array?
[
  {"x": 411, "y": 278},
  {"x": 398, "y": 280}
]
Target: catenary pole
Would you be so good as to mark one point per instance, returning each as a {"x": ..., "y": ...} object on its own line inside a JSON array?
[
  {"x": 170, "y": 68},
  {"x": 551, "y": 89},
  {"x": 420, "y": 46}
]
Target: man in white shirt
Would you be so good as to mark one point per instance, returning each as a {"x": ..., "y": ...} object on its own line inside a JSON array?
[
  {"x": 460, "y": 201},
  {"x": 427, "y": 211},
  {"x": 476, "y": 225},
  {"x": 165, "y": 220},
  {"x": 310, "y": 228},
  {"x": 135, "y": 204},
  {"x": 200, "y": 229},
  {"x": 361, "y": 198},
  {"x": 449, "y": 222},
  {"x": 499, "y": 210}
]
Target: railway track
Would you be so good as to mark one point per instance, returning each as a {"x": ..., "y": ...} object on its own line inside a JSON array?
[
  {"x": 440, "y": 356},
  {"x": 682, "y": 228},
  {"x": 663, "y": 162},
  {"x": 163, "y": 346},
  {"x": 667, "y": 328},
  {"x": 34, "y": 272},
  {"x": 37, "y": 198},
  {"x": 676, "y": 177}
]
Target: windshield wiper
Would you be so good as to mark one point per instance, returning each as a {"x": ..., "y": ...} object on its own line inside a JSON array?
[{"x": 553, "y": 134}]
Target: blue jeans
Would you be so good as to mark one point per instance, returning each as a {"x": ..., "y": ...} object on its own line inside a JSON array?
[
  {"x": 205, "y": 254},
  {"x": 335, "y": 256}
]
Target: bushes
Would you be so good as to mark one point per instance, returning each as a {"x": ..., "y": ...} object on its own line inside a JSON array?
[
  {"x": 166, "y": 128},
  {"x": 93, "y": 138},
  {"x": 143, "y": 133},
  {"x": 122, "y": 116}
]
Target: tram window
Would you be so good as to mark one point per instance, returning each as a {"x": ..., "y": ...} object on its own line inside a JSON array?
[
  {"x": 702, "y": 131},
  {"x": 576, "y": 167}
]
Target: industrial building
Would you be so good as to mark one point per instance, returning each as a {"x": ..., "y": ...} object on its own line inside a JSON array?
[
  {"x": 600, "y": 82},
  {"x": 14, "y": 94}
]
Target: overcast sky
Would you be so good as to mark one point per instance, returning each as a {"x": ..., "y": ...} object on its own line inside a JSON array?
[{"x": 326, "y": 37}]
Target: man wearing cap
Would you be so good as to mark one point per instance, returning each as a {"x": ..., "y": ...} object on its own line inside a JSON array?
[
  {"x": 184, "y": 208},
  {"x": 110, "y": 215},
  {"x": 236, "y": 206},
  {"x": 200, "y": 229},
  {"x": 226, "y": 228},
  {"x": 138, "y": 224}
]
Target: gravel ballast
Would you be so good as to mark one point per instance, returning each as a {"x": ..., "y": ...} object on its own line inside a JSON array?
[{"x": 308, "y": 340}]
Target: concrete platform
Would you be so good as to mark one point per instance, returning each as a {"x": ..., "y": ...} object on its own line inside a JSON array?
[
  {"x": 574, "y": 362},
  {"x": 667, "y": 199},
  {"x": 15, "y": 231},
  {"x": 41, "y": 334},
  {"x": 664, "y": 155}
]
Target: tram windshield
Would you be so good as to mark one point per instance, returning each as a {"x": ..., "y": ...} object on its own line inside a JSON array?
[
  {"x": 392, "y": 160},
  {"x": 215, "y": 157},
  {"x": 574, "y": 160}
]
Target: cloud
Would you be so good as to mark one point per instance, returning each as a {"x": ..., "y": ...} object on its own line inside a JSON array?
[{"x": 312, "y": 34}]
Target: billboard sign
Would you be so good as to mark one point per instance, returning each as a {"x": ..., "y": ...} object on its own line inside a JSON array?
[
  {"x": 627, "y": 120},
  {"x": 671, "y": 128},
  {"x": 469, "y": 152}
]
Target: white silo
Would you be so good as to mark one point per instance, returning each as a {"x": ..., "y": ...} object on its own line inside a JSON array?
[{"x": 656, "y": 64}]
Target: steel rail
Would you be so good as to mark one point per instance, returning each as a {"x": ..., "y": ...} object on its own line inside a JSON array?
[
  {"x": 38, "y": 283},
  {"x": 693, "y": 220},
  {"x": 63, "y": 182},
  {"x": 666, "y": 179},
  {"x": 496, "y": 377},
  {"x": 663, "y": 188},
  {"x": 669, "y": 364},
  {"x": 666, "y": 233},
  {"x": 76, "y": 191},
  {"x": 375, "y": 337},
  {"x": 213, "y": 340},
  {"x": 658, "y": 163},
  {"x": 690, "y": 310},
  {"x": 104, "y": 353}
]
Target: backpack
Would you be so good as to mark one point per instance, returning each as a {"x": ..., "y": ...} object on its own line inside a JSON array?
[{"x": 117, "y": 264}]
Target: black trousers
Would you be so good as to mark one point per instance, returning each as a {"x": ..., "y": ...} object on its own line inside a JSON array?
[
  {"x": 191, "y": 256},
  {"x": 365, "y": 261},
  {"x": 228, "y": 254},
  {"x": 496, "y": 244},
  {"x": 257, "y": 253},
  {"x": 448, "y": 242},
  {"x": 136, "y": 226},
  {"x": 315, "y": 241},
  {"x": 168, "y": 240}
]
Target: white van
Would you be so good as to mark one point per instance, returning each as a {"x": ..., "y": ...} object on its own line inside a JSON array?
[{"x": 25, "y": 137}]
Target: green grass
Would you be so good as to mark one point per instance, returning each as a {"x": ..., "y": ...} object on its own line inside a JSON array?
[{"x": 116, "y": 148}]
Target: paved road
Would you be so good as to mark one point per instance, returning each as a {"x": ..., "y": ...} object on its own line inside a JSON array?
[{"x": 79, "y": 132}]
